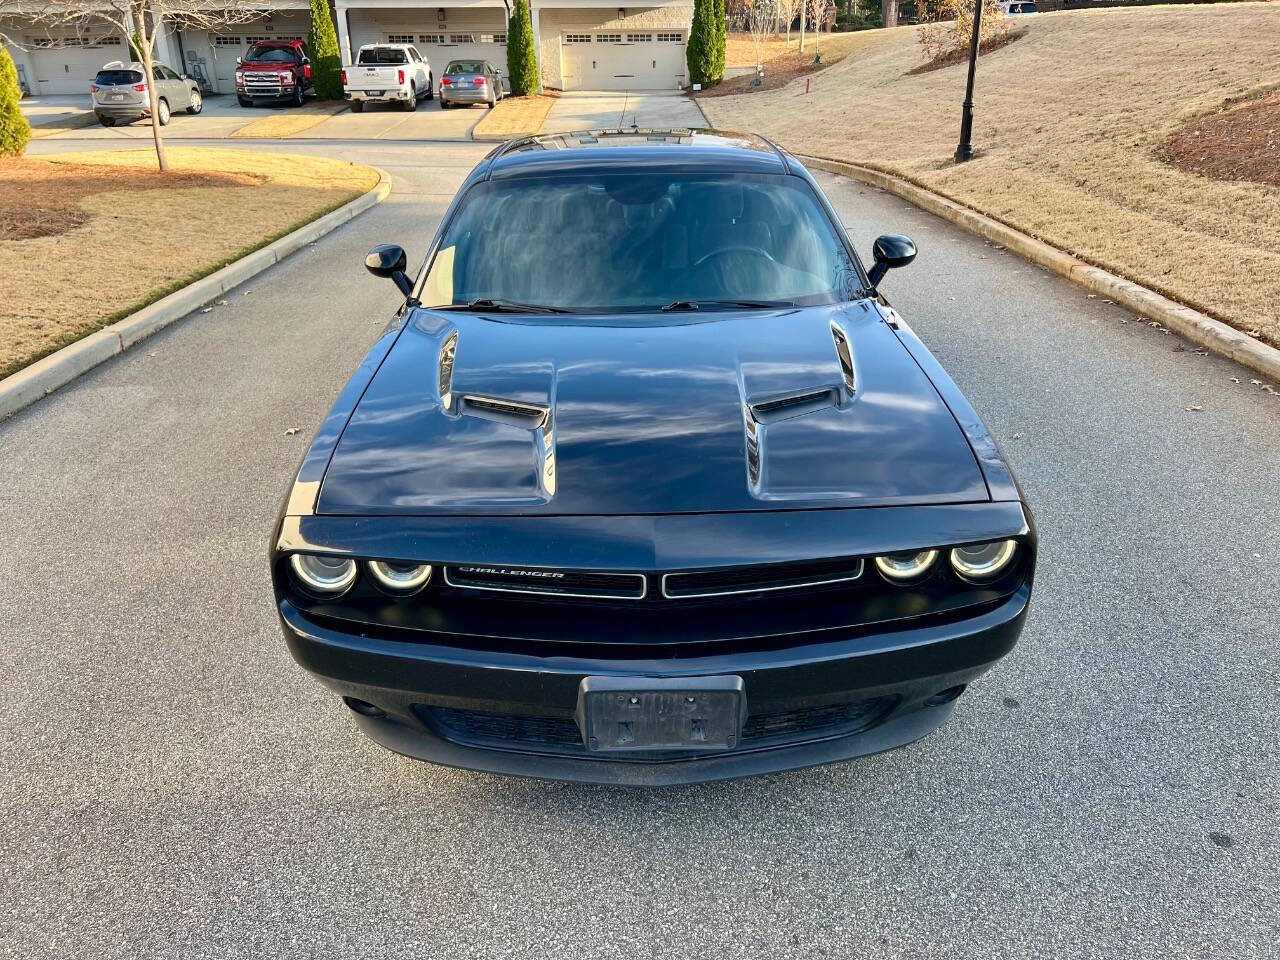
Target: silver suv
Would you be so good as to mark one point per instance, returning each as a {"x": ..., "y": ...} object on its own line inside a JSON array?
[{"x": 119, "y": 92}]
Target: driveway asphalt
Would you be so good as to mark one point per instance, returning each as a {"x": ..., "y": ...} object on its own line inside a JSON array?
[
  {"x": 222, "y": 116},
  {"x": 606, "y": 111},
  {"x": 171, "y": 784},
  {"x": 54, "y": 109},
  {"x": 381, "y": 122}
]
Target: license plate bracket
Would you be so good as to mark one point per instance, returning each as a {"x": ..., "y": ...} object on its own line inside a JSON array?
[{"x": 623, "y": 714}]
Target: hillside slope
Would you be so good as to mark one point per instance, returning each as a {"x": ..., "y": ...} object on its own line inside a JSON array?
[{"x": 1068, "y": 122}]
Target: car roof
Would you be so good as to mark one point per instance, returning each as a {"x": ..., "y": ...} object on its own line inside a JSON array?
[{"x": 691, "y": 149}]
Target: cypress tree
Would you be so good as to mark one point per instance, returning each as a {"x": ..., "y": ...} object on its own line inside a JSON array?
[
  {"x": 14, "y": 129},
  {"x": 522, "y": 58},
  {"x": 721, "y": 38},
  {"x": 701, "y": 50},
  {"x": 322, "y": 47}
]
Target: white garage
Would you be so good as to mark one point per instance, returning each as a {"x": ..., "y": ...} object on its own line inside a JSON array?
[
  {"x": 623, "y": 60},
  {"x": 65, "y": 62},
  {"x": 580, "y": 44},
  {"x": 477, "y": 31}
]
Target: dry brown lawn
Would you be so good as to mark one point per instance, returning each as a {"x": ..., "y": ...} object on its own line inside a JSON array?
[
  {"x": 1069, "y": 123},
  {"x": 513, "y": 117},
  {"x": 88, "y": 238}
]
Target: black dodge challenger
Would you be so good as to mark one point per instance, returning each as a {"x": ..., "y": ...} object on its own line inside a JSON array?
[{"x": 646, "y": 483}]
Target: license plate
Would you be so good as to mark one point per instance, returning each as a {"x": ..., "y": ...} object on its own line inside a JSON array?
[
  {"x": 116, "y": 96},
  {"x": 373, "y": 93},
  {"x": 619, "y": 714}
]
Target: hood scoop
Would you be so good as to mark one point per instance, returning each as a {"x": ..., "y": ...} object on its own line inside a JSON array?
[
  {"x": 794, "y": 404},
  {"x": 472, "y": 416}
]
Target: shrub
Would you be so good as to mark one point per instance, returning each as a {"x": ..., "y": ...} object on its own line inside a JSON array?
[
  {"x": 522, "y": 58},
  {"x": 704, "y": 38},
  {"x": 322, "y": 47},
  {"x": 14, "y": 129},
  {"x": 938, "y": 37}
]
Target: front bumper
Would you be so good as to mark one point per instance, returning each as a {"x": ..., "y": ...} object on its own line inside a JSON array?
[
  {"x": 912, "y": 676},
  {"x": 284, "y": 92}
]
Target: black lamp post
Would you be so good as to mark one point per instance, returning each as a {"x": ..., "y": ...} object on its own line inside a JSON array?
[{"x": 965, "y": 150}]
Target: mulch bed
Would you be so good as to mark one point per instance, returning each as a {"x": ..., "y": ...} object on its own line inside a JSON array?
[
  {"x": 778, "y": 72},
  {"x": 961, "y": 54},
  {"x": 39, "y": 198},
  {"x": 1242, "y": 143}
]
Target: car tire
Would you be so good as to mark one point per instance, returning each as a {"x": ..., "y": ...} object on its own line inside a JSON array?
[
  {"x": 106, "y": 121},
  {"x": 244, "y": 101},
  {"x": 162, "y": 111},
  {"x": 298, "y": 97},
  {"x": 431, "y": 89},
  {"x": 197, "y": 102},
  {"x": 411, "y": 104},
  {"x": 357, "y": 106},
  {"x": 493, "y": 101}
]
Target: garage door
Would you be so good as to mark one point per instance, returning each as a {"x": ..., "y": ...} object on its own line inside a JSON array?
[
  {"x": 67, "y": 63},
  {"x": 441, "y": 48},
  {"x": 622, "y": 61}
]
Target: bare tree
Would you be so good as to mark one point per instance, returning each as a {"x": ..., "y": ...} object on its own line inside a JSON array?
[
  {"x": 787, "y": 9},
  {"x": 139, "y": 23},
  {"x": 761, "y": 16},
  {"x": 804, "y": 7}
]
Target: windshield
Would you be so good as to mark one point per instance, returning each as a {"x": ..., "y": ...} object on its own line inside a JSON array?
[
  {"x": 383, "y": 55},
  {"x": 621, "y": 242},
  {"x": 271, "y": 54},
  {"x": 465, "y": 66}
]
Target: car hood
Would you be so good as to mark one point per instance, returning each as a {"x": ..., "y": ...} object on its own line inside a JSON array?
[{"x": 790, "y": 409}]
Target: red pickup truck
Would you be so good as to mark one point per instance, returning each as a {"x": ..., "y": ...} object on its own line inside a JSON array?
[{"x": 274, "y": 70}]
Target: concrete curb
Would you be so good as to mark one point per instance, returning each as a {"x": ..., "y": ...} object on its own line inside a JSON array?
[
  {"x": 1192, "y": 324},
  {"x": 46, "y": 375}
]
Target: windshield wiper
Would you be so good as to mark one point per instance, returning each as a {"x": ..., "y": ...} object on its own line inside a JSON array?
[
  {"x": 749, "y": 304},
  {"x": 489, "y": 305}
]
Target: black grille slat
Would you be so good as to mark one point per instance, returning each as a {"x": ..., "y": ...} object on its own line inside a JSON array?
[{"x": 789, "y": 576}]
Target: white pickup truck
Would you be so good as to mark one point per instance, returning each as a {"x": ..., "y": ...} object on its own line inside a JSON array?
[{"x": 387, "y": 72}]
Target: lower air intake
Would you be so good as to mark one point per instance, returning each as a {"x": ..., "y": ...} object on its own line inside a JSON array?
[{"x": 560, "y": 735}]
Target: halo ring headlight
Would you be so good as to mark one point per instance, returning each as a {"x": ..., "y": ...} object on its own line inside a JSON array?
[
  {"x": 981, "y": 562},
  {"x": 400, "y": 577},
  {"x": 323, "y": 574},
  {"x": 905, "y": 567}
]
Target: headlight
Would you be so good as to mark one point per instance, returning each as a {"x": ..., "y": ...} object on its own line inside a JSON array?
[
  {"x": 330, "y": 576},
  {"x": 400, "y": 577},
  {"x": 904, "y": 567},
  {"x": 983, "y": 561}
]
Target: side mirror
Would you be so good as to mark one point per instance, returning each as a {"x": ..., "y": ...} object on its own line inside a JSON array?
[
  {"x": 239, "y": 59},
  {"x": 388, "y": 260},
  {"x": 890, "y": 251}
]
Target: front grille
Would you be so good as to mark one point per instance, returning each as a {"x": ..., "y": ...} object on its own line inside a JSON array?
[
  {"x": 560, "y": 735},
  {"x": 265, "y": 82},
  {"x": 560, "y": 583},
  {"x": 590, "y": 584},
  {"x": 788, "y": 576}
]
